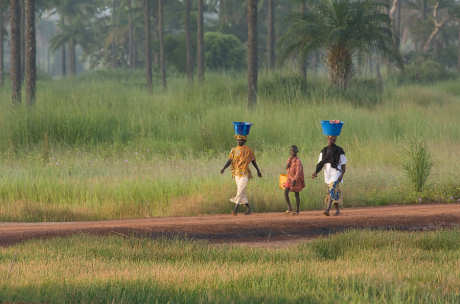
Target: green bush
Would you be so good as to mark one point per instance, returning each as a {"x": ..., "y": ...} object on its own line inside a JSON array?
[
  {"x": 175, "y": 51},
  {"x": 418, "y": 164},
  {"x": 224, "y": 51},
  {"x": 425, "y": 71}
]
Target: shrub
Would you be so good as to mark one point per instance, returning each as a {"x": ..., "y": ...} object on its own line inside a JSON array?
[
  {"x": 175, "y": 51},
  {"x": 418, "y": 164},
  {"x": 425, "y": 71},
  {"x": 224, "y": 51}
]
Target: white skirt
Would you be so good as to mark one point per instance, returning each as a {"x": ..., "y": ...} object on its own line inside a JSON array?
[{"x": 241, "y": 197}]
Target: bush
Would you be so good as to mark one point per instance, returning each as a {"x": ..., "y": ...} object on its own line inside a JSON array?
[
  {"x": 224, "y": 51},
  {"x": 175, "y": 51},
  {"x": 425, "y": 71},
  {"x": 418, "y": 164}
]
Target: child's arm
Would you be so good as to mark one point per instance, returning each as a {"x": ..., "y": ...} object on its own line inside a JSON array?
[
  {"x": 254, "y": 163},
  {"x": 227, "y": 164}
]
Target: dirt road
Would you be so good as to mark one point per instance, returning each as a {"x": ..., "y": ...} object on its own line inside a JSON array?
[{"x": 263, "y": 227}]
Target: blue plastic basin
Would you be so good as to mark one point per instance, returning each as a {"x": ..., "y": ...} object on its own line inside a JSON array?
[
  {"x": 242, "y": 128},
  {"x": 330, "y": 128}
]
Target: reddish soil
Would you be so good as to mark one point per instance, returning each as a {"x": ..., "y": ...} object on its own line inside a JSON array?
[{"x": 263, "y": 227}]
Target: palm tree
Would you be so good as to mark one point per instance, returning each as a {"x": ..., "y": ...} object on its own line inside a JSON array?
[
  {"x": 162, "y": 44},
  {"x": 15, "y": 60},
  {"x": 252, "y": 52},
  {"x": 74, "y": 28},
  {"x": 31, "y": 51},
  {"x": 271, "y": 34},
  {"x": 188, "y": 42},
  {"x": 200, "y": 42},
  {"x": 303, "y": 56},
  {"x": 148, "y": 45},
  {"x": 72, "y": 57},
  {"x": 341, "y": 27},
  {"x": 131, "y": 38},
  {"x": 63, "y": 50},
  {"x": 2, "y": 48},
  {"x": 22, "y": 43}
]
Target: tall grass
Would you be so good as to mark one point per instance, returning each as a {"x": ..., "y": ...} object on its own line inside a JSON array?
[
  {"x": 100, "y": 147},
  {"x": 354, "y": 267},
  {"x": 418, "y": 164}
]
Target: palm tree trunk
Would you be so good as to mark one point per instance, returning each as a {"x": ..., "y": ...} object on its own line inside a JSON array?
[
  {"x": 188, "y": 42},
  {"x": 64, "y": 60},
  {"x": 2, "y": 48},
  {"x": 63, "y": 54},
  {"x": 458, "y": 53},
  {"x": 200, "y": 42},
  {"x": 340, "y": 66},
  {"x": 252, "y": 52},
  {"x": 222, "y": 14},
  {"x": 22, "y": 39},
  {"x": 15, "y": 51},
  {"x": 31, "y": 51},
  {"x": 162, "y": 44},
  {"x": 398, "y": 25},
  {"x": 134, "y": 65},
  {"x": 378, "y": 73},
  {"x": 131, "y": 35},
  {"x": 112, "y": 45},
  {"x": 72, "y": 58},
  {"x": 424, "y": 6},
  {"x": 271, "y": 34},
  {"x": 148, "y": 45},
  {"x": 303, "y": 56}
]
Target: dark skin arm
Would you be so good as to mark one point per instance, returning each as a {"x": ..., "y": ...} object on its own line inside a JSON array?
[
  {"x": 227, "y": 164},
  {"x": 254, "y": 163},
  {"x": 344, "y": 169}
]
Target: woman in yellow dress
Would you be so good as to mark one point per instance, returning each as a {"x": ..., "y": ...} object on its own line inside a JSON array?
[{"x": 240, "y": 158}]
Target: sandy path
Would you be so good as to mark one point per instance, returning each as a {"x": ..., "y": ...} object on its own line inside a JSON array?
[{"x": 254, "y": 228}]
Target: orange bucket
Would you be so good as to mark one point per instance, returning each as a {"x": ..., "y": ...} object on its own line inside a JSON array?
[{"x": 283, "y": 181}]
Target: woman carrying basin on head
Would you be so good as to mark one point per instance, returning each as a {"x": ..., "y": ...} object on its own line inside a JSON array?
[
  {"x": 332, "y": 159},
  {"x": 240, "y": 158}
]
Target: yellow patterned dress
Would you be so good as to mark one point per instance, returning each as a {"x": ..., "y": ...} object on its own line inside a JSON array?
[{"x": 241, "y": 157}]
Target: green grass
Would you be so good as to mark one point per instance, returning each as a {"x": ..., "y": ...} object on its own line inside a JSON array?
[
  {"x": 353, "y": 267},
  {"x": 114, "y": 151}
]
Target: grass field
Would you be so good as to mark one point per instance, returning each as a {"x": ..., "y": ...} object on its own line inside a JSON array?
[
  {"x": 354, "y": 267},
  {"x": 100, "y": 147}
]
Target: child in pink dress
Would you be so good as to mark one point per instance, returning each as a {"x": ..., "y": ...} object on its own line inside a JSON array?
[{"x": 295, "y": 179}]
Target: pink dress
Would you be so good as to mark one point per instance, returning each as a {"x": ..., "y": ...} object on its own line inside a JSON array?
[{"x": 295, "y": 173}]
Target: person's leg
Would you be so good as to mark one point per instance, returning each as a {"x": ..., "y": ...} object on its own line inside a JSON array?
[
  {"x": 241, "y": 184},
  {"x": 328, "y": 201},
  {"x": 337, "y": 209},
  {"x": 328, "y": 205},
  {"x": 297, "y": 201},
  {"x": 248, "y": 209},
  {"x": 286, "y": 196},
  {"x": 235, "y": 209},
  {"x": 338, "y": 202},
  {"x": 243, "y": 197}
]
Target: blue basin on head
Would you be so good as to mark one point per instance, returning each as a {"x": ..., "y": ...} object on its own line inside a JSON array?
[
  {"x": 242, "y": 128},
  {"x": 331, "y": 127}
]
